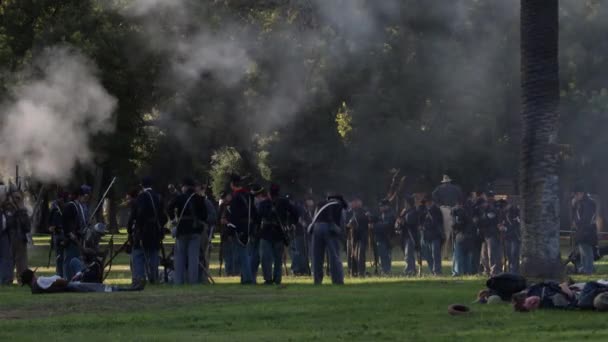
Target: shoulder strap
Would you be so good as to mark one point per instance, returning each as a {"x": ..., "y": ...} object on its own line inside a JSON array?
[
  {"x": 80, "y": 212},
  {"x": 153, "y": 208},
  {"x": 317, "y": 213},
  {"x": 184, "y": 208}
]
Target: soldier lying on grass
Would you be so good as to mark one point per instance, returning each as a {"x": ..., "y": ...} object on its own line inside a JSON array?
[
  {"x": 592, "y": 295},
  {"x": 55, "y": 284},
  {"x": 507, "y": 287}
]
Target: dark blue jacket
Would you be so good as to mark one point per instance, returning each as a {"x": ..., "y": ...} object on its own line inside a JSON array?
[
  {"x": 276, "y": 217},
  {"x": 512, "y": 221},
  {"x": 447, "y": 195},
  {"x": 432, "y": 227},
  {"x": 584, "y": 217},
  {"x": 462, "y": 226},
  {"x": 242, "y": 214},
  {"x": 384, "y": 226},
  {"x": 149, "y": 218},
  {"x": 359, "y": 222},
  {"x": 409, "y": 225},
  {"x": 191, "y": 214},
  {"x": 489, "y": 218},
  {"x": 331, "y": 214}
]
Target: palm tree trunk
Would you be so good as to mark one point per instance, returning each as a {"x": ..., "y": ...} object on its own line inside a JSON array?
[{"x": 539, "y": 159}]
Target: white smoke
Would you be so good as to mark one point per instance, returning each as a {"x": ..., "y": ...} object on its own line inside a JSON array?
[
  {"x": 195, "y": 50},
  {"x": 52, "y": 114},
  {"x": 198, "y": 50}
]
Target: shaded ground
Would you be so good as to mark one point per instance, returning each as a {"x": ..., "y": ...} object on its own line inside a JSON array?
[
  {"x": 372, "y": 309},
  {"x": 369, "y": 311}
]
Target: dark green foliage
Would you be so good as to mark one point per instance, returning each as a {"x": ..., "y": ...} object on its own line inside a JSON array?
[{"x": 430, "y": 88}]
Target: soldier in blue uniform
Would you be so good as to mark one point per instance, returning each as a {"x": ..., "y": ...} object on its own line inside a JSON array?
[
  {"x": 462, "y": 235},
  {"x": 512, "y": 235},
  {"x": 327, "y": 231},
  {"x": 75, "y": 220},
  {"x": 56, "y": 229},
  {"x": 407, "y": 226},
  {"x": 432, "y": 235},
  {"x": 277, "y": 215},
  {"x": 584, "y": 217},
  {"x": 188, "y": 213},
  {"x": 228, "y": 242},
  {"x": 382, "y": 227},
  {"x": 358, "y": 225},
  {"x": 148, "y": 213},
  {"x": 242, "y": 217},
  {"x": 488, "y": 219}
]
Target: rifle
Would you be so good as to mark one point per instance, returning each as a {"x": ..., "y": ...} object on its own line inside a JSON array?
[
  {"x": 221, "y": 252},
  {"x": 285, "y": 262},
  {"x": 209, "y": 243},
  {"x": 306, "y": 254},
  {"x": 48, "y": 264},
  {"x": 111, "y": 242},
  {"x": 419, "y": 257},
  {"x": 109, "y": 263},
  {"x": 418, "y": 252},
  {"x": 372, "y": 242},
  {"x": 206, "y": 273},
  {"x": 164, "y": 260},
  {"x": 100, "y": 203}
]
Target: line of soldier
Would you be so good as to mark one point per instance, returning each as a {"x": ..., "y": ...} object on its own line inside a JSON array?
[
  {"x": 481, "y": 234},
  {"x": 15, "y": 228}
]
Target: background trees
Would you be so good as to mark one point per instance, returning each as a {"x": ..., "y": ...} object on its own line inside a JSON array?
[{"x": 427, "y": 87}]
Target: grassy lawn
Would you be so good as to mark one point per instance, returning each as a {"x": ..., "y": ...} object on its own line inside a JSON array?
[{"x": 363, "y": 310}]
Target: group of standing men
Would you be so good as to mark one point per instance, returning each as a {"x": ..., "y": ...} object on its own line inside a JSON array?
[
  {"x": 14, "y": 233},
  {"x": 258, "y": 227},
  {"x": 476, "y": 232}
]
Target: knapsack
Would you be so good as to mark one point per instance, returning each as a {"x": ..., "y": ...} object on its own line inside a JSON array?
[{"x": 506, "y": 285}]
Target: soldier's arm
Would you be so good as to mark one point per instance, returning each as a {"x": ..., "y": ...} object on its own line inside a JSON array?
[
  {"x": 435, "y": 196},
  {"x": 171, "y": 209},
  {"x": 162, "y": 216},
  {"x": 294, "y": 214}
]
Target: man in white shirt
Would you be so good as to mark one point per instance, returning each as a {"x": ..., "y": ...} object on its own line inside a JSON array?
[{"x": 55, "y": 284}]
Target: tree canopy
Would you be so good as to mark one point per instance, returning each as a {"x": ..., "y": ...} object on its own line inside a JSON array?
[{"x": 316, "y": 94}]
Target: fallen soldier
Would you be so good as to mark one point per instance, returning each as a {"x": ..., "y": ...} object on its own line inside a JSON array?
[
  {"x": 592, "y": 295},
  {"x": 501, "y": 288},
  {"x": 56, "y": 284},
  {"x": 513, "y": 288}
]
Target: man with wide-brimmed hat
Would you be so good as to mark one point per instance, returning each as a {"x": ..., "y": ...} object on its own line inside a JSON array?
[{"x": 446, "y": 196}]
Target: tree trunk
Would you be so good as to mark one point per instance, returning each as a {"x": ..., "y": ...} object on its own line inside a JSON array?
[
  {"x": 112, "y": 218},
  {"x": 539, "y": 159}
]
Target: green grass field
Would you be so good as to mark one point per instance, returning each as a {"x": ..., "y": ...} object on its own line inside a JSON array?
[{"x": 371, "y": 309}]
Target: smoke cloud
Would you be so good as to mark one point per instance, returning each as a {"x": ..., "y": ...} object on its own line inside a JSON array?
[
  {"x": 52, "y": 115},
  {"x": 198, "y": 50}
]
